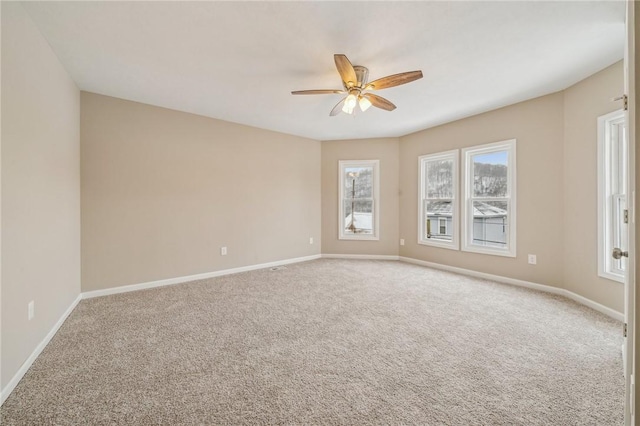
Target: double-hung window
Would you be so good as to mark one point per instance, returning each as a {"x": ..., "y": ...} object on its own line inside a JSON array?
[
  {"x": 438, "y": 203},
  {"x": 612, "y": 194},
  {"x": 358, "y": 216},
  {"x": 489, "y": 187}
]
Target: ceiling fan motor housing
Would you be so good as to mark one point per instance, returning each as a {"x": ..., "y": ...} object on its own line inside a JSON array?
[{"x": 362, "y": 75}]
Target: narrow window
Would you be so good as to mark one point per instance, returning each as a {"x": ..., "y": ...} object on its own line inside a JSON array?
[
  {"x": 443, "y": 226},
  {"x": 438, "y": 203},
  {"x": 489, "y": 214},
  {"x": 358, "y": 216},
  {"x": 612, "y": 194}
]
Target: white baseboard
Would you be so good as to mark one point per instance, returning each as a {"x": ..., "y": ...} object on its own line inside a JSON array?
[
  {"x": 87, "y": 295},
  {"x": 36, "y": 352},
  {"x": 360, "y": 256},
  {"x": 179, "y": 280},
  {"x": 521, "y": 283},
  {"x": 619, "y": 316}
]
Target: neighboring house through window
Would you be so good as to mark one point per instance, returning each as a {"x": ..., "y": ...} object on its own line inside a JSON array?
[
  {"x": 438, "y": 201},
  {"x": 359, "y": 208},
  {"x": 489, "y": 213}
]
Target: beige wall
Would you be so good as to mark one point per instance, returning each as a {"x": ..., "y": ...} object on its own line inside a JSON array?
[
  {"x": 537, "y": 125},
  {"x": 40, "y": 188},
  {"x": 556, "y": 182},
  {"x": 163, "y": 190},
  {"x": 385, "y": 150},
  {"x": 583, "y": 104}
]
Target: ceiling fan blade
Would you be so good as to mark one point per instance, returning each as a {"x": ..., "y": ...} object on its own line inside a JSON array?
[
  {"x": 316, "y": 92},
  {"x": 336, "y": 109},
  {"x": 394, "y": 80},
  {"x": 345, "y": 69},
  {"x": 379, "y": 102}
]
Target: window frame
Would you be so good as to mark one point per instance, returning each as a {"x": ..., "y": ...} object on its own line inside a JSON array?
[
  {"x": 467, "y": 190},
  {"x": 605, "y": 195},
  {"x": 454, "y": 244},
  {"x": 342, "y": 165}
]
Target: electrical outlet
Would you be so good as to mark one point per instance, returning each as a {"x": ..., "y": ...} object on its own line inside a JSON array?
[
  {"x": 532, "y": 259},
  {"x": 223, "y": 251},
  {"x": 401, "y": 241},
  {"x": 310, "y": 240},
  {"x": 31, "y": 310}
]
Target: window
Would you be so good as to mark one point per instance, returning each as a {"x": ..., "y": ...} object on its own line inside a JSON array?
[
  {"x": 489, "y": 187},
  {"x": 612, "y": 194},
  {"x": 443, "y": 226},
  {"x": 438, "y": 203},
  {"x": 359, "y": 200}
]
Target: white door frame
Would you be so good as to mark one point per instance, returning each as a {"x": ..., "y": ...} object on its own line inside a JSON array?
[{"x": 630, "y": 293}]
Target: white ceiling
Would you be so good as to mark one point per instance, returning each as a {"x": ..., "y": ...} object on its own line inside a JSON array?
[{"x": 239, "y": 61}]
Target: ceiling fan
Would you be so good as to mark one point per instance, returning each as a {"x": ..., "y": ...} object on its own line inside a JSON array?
[{"x": 354, "y": 81}]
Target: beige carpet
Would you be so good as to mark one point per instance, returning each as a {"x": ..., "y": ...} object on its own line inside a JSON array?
[{"x": 332, "y": 342}]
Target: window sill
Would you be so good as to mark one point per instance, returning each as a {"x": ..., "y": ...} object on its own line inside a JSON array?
[
  {"x": 439, "y": 244},
  {"x": 359, "y": 238},
  {"x": 492, "y": 252},
  {"x": 611, "y": 277}
]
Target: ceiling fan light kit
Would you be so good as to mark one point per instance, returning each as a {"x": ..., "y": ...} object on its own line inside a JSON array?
[{"x": 355, "y": 83}]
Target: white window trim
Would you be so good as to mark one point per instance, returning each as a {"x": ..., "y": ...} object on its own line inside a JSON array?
[
  {"x": 343, "y": 164},
  {"x": 604, "y": 238},
  {"x": 467, "y": 184},
  {"x": 454, "y": 244}
]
